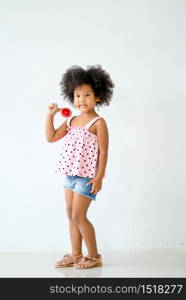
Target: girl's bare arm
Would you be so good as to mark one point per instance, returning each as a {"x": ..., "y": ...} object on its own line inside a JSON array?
[
  {"x": 103, "y": 143},
  {"x": 52, "y": 134}
]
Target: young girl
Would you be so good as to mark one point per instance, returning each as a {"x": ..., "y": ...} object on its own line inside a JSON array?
[{"x": 83, "y": 157}]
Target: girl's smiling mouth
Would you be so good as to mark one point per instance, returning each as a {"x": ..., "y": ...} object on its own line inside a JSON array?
[{"x": 82, "y": 106}]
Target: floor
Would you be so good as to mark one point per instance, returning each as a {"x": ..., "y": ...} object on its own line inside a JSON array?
[{"x": 128, "y": 263}]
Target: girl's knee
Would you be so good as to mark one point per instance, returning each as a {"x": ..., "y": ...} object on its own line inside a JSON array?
[
  {"x": 75, "y": 217},
  {"x": 78, "y": 218},
  {"x": 69, "y": 213}
]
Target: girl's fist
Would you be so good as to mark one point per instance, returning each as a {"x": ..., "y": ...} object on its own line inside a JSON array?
[{"x": 53, "y": 109}]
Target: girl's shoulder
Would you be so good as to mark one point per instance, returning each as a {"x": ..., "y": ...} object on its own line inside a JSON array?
[
  {"x": 69, "y": 120},
  {"x": 101, "y": 120},
  {"x": 101, "y": 123}
]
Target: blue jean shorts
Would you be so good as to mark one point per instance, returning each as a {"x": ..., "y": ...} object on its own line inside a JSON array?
[{"x": 78, "y": 184}]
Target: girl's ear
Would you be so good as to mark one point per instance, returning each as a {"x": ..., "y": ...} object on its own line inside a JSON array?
[{"x": 97, "y": 99}]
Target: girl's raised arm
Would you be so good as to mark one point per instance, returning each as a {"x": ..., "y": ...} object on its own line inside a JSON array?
[{"x": 52, "y": 134}]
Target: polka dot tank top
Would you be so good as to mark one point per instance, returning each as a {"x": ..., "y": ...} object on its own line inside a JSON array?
[{"x": 79, "y": 151}]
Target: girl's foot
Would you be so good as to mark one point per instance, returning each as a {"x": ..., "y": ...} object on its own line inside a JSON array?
[
  {"x": 88, "y": 262},
  {"x": 68, "y": 261}
]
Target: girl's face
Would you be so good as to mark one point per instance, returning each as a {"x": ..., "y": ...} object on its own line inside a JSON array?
[{"x": 84, "y": 98}]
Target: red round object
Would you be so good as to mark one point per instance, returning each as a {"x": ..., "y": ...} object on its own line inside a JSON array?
[{"x": 66, "y": 112}]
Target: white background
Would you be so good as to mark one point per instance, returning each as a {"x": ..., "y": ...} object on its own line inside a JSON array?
[{"x": 141, "y": 44}]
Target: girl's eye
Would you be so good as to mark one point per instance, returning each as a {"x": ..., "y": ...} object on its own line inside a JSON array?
[{"x": 86, "y": 95}]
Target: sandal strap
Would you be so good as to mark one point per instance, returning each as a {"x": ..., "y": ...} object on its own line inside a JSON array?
[
  {"x": 71, "y": 257},
  {"x": 85, "y": 258},
  {"x": 77, "y": 256},
  {"x": 63, "y": 258},
  {"x": 67, "y": 255}
]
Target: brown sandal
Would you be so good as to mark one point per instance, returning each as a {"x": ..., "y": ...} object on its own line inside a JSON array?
[
  {"x": 88, "y": 262},
  {"x": 68, "y": 261}
]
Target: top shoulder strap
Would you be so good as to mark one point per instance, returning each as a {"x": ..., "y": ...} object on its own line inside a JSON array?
[
  {"x": 69, "y": 120},
  {"x": 89, "y": 124}
]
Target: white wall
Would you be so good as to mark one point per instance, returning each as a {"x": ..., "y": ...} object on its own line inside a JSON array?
[{"x": 142, "y": 45}]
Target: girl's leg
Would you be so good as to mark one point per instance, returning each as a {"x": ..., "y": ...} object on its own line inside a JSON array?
[
  {"x": 75, "y": 235},
  {"x": 79, "y": 216}
]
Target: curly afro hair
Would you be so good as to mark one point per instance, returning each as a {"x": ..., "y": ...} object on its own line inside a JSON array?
[{"x": 99, "y": 80}]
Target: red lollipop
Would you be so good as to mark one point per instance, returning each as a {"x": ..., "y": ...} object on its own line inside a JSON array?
[{"x": 66, "y": 112}]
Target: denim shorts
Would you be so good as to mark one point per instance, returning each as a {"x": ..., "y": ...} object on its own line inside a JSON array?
[{"x": 78, "y": 184}]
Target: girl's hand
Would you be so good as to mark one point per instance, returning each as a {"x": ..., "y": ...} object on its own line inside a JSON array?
[
  {"x": 53, "y": 109},
  {"x": 96, "y": 185}
]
